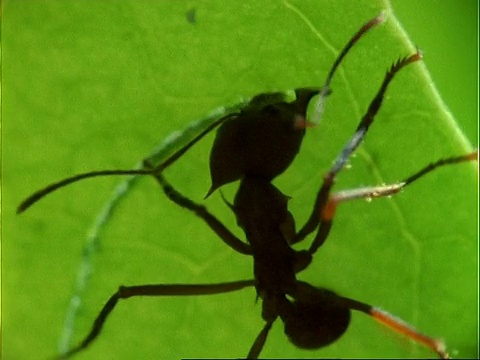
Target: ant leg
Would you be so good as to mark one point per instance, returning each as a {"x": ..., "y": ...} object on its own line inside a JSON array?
[
  {"x": 257, "y": 346},
  {"x": 329, "y": 179},
  {"x": 401, "y": 327},
  {"x": 328, "y": 211},
  {"x": 308, "y": 293},
  {"x": 125, "y": 292},
  {"x": 200, "y": 210}
]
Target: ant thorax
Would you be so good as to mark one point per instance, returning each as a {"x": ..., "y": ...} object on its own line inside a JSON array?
[{"x": 261, "y": 211}]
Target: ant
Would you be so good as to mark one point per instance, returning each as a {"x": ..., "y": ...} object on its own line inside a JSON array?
[{"x": 254, "y": 145}]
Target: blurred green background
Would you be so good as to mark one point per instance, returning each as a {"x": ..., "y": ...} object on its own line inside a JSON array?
[
  {"x": 447, "y": 33},
  {"x": 94, "y": 85}
]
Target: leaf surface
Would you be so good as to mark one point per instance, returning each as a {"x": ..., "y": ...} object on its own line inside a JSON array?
[{"x": 99, "y": 85}]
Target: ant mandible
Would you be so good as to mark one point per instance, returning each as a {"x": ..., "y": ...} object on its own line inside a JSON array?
[{"x": 254, "y": 145}]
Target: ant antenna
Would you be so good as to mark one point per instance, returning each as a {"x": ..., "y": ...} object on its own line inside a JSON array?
[
  {"x": 324, "y": 92},
  {"x": 36, "y": 196},
  {"x": 325, "y": 89}
]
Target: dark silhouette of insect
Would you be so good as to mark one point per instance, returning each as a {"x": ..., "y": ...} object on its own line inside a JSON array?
[{"x": 254, "y": 145}]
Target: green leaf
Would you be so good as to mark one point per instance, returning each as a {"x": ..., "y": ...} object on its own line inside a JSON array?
[{"x": 98, "y": 85}]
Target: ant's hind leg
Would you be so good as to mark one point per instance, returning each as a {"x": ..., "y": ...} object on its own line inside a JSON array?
[
  {"x": 125, "y": 292},
  {"x": 306, "y": 293}
]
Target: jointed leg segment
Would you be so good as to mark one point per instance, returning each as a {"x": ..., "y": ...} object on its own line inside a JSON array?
[
  {"x": 328, "y": 211},
  {"x": 200, "y": 210},
  {"x": 329, "y": 179},
  {"x": 125, "y": 292}
]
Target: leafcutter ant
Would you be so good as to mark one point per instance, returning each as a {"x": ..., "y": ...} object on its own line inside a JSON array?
[{"x": 254, "y": 144}]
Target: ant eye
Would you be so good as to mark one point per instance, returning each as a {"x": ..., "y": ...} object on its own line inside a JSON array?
[{"x": 315, "y": 325}]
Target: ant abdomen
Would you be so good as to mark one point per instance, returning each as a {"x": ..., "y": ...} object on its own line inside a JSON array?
[
  {"x": 312, "y": 325},
  {"x": 260, "y": 141}
]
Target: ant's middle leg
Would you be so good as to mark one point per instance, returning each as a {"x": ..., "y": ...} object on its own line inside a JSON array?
[
  {"x": 328, "y": 211},
  {"x": 323, "y": 195},
  {"x": 200, "y": 210}
]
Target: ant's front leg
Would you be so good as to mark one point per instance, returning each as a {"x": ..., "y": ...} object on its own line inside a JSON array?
[{"x": 323, "y": 195}]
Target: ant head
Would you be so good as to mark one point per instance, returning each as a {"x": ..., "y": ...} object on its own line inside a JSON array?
[
  {"x": 312, "y": 325},
  {"x": 262, "y": 140}
]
